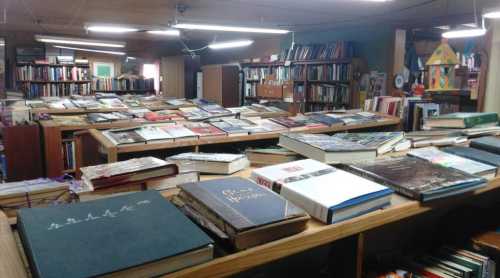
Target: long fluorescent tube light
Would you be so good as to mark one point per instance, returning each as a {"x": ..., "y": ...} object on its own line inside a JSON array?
[
  {"x": 169, "y": 32},
  {"x": 111, "y": 29},
  {"x": 466, "y": 33},
  {"x": 492, "y": 14},
  {"x": 91, "y": 50},
  {"x": 206, "y": 27},
  {"x": 231, "y": 44},
  {"x": 77, "y": 41}
]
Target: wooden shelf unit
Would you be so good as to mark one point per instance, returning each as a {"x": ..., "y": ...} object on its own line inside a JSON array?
[
  {"x": 356, "y": 64},
  {"x": 112, "y": 151},
  {"x": 315, "y": 235}
]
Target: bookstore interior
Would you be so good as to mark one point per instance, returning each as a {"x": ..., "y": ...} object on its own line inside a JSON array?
[{"x": 250, "y": 139}]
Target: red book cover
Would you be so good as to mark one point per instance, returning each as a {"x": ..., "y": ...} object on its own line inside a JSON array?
[{"x": 205, "y": 130}]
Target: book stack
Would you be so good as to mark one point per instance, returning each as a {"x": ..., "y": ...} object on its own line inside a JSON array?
[
  {"x": 385, "y": 105},
  {"x": 445, "y": 262},
  {"x": 330, "y": 51},
  {"x": 123, "y": 84},
  {"x": 135, "y": 235},
  {"x": 462, "y": 120},
  {"x": 32, "y": 193},
  {"x": 328, "y": 194},
  {"x": 270, "y": 156},
  {"x": 240, "y": 212},
  {"x": 137, "y": 170},
  {"x": 210, "y": 163}
]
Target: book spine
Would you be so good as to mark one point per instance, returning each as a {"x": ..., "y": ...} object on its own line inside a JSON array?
[{"x": 479, "y": 120}]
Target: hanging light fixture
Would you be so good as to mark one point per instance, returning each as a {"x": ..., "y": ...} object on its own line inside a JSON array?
[{"x": 467, "y": 32}]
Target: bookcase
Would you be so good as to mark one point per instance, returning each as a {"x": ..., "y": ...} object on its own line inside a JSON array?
[
  {"x": 39, "y": 80},
  {"x": 123, "y": 85},
  {"x": 316, "y": 84}
]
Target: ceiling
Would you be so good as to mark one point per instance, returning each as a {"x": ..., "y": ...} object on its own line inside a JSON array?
[{"x": 69, "y": 16}]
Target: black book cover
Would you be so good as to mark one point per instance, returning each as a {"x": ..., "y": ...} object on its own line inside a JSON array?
[
  {"x": 489, "y": 144},
  {"x": 241, "y": 203},
  {"x": 415, "y": 178},
  {"x": 104, "y": 236}
]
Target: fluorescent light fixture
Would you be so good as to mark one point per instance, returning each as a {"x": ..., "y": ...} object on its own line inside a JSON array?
[
  {"x": 91, "y": 50},
  {"x": 111, "y": 29},
  {"x": 470, "y": 25},
  {"x": 444, "y": 27},
  {"x": 230, "y": 44},
  {"x": 207, "y": 27},
  {"x": 77, "y": 41},
  {"x": 168, "y": 32},
  {"x": 465, "y": 33},
  {"x": 130, "y": 58},
  {"x": 492, "y": 14}
]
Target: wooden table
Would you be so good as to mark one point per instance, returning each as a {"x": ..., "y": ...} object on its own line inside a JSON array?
[
  {"x": 112, "y": 151},
  {"x": 315, "y": 235}
]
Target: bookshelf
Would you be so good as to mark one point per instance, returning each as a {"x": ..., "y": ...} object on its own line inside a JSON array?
[
  {"x": 317, "y": 84},
  {"x": 38, "y": 80},
  {"x": 123, "y": 85}
]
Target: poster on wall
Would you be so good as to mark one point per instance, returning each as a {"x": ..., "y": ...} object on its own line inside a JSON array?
[{"x": 103, "y": 70}]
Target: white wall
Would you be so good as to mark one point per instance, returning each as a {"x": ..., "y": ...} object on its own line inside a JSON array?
[{"x": 492, "y": 101}]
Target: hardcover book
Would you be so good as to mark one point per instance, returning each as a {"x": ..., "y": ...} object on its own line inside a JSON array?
[
  {"x": 270, "y": 156},
  {"x": 417, "y": 179},
  {"x": 308, "y": 122},
  {"x": 215, "y": 109},
  {"x": 462, "y": 120},
  {"x": 128, "y": 171},
  {"x": 265, "y": 125},
  {"x": 383, "y": 142},
  {"x": 135, "y": 235},
  {"x": 436, "y": 156},
  {"x": 179, "y": 132},
  {"x": 246, "y": 213},
  {"x": 327, "y": 149},
  {"x": 490, "y": 144},
  {"x": 475, "y": 154},
  {"x": 326, "y": 193},
  {"x": 205, "y": 130},
  {"x": 194, "y": 113},
  {"x": 326, "y": 120},
  {"x": 153, "y": 134},
  {"x": 230, "y": 129},
  {"x": 213, "y": 163},
  {"x": 128, "y": 136},
  {"x": 289, "y": 123}
]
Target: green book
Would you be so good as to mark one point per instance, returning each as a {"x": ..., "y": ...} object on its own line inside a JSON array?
[
  {"x": 462, "y": 120},
  {"x": 134, "y": 235}
]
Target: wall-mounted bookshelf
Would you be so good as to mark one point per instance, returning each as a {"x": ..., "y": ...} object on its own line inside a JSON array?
[
  {"x": 317, "y": 85},
  {"x": 123, "y": 85},
  {"x": 43, "y": 80}
]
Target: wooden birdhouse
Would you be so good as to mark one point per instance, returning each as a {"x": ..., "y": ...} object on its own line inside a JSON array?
[{"x": 442, "y": 68}]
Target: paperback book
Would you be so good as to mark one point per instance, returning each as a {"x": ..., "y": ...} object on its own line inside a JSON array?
[
  {"x": 383, "y": 142},
  {"x": 205, "y": 129},
  {"x": 211, "y": 163},
  {"x": 128, "y": 136}
]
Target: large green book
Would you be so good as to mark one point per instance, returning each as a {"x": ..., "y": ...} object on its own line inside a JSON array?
[
  {"x": 462, "y": 120},
  {"x": 134, "y": 235}
]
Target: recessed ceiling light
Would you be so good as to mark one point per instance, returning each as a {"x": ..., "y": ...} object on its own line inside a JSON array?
[
  {"x": 78, "y": 41},
  {"x": 91, "y": 50},
  {"x": 111, "y": 29},
  {"x": 465, "y": 33},
  {"x": 169, "y": 32},
  {"x": 208, "y": 27},
  {"x": 230, "y": 44}
]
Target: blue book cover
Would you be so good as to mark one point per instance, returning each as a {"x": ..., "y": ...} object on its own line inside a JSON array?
[
  {"x": 241, "y": 203},
  {"x": 104, "y": 236},
  {"x": 475, "y": 154}
]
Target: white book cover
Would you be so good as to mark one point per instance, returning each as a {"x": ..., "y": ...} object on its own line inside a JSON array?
[
  {"x": 318, "y": 187},
  {"x": 214, "y": 157},
  {"x": 151, "y": 133},
  {"x": 436, "y": 156},
  {"x": 179, "y": 131}
]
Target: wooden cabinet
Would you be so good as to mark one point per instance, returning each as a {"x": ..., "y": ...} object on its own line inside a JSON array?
[
  {"x": 23, "y": 152},
  {"x": 221, "y": 84},
  {"x": 178, "y": 76}
]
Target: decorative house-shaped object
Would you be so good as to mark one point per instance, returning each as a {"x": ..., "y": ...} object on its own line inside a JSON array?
[{"x": 442, "y": 68}]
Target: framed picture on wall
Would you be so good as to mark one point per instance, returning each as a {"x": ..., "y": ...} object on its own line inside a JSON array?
[{"x": 101, "y": 69}]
